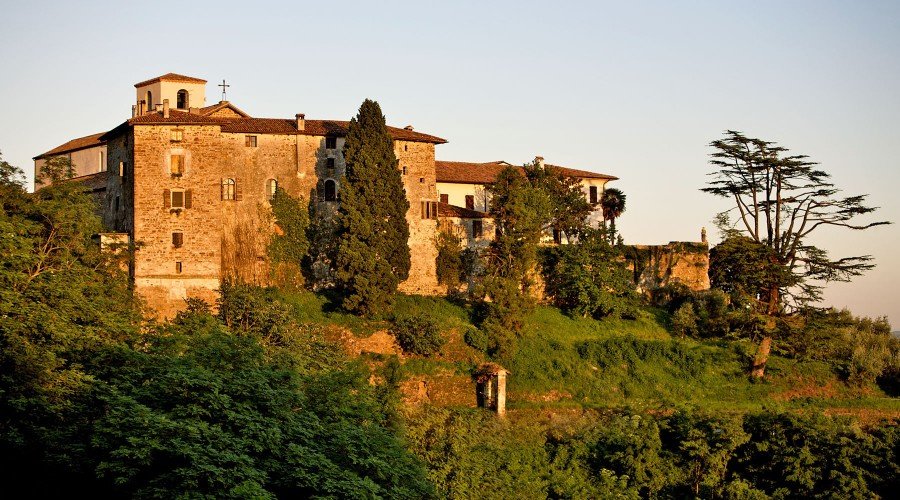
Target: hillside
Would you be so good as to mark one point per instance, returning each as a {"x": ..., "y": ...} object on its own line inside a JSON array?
[{"x": 565, "y": 362}]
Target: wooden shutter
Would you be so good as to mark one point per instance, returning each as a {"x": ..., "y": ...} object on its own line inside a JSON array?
[
  {"x": 188, "y": 198},
  {"x": 238, "y": 195},
  {"x": 433, "y": 209},
  {"x": 445, "y": 198},
  {"x": 422, "y": 206},
  {"x": 470, "y": 202},
  {"x": 167, "y": 198}
]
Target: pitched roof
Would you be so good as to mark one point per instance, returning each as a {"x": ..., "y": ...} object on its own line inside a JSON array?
[
  {"x": 85, "y": 142},
  {"x": 464, "y": 172},
  {"x": 209, "y": 110},
  {"x": 448, "y": 210},
  {"x": 250, "y": 125},
  {"x": 171, "y": 77}
]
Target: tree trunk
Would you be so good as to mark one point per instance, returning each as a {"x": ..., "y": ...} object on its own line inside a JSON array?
[{"x": 762, "y": 357}]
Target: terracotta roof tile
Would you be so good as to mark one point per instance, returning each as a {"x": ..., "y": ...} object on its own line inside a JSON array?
[
  {"x": 92, "y": 182},
  {"x": 250, "y": 125},
  {"x": 85, "y": 142},
  {"x": 486, "y": 173},
  {"x": 171, "y": 77},
  {"x": 447, "y": 210}
]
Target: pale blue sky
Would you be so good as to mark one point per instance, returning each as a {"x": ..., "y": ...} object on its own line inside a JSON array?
[{"x": 634, "y": 89}]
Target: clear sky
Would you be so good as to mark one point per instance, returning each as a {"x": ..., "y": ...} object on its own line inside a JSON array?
[{"x": 633, "y": 89}]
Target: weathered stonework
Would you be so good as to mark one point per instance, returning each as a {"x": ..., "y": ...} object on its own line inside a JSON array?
[{"x": 656, "y": 266}]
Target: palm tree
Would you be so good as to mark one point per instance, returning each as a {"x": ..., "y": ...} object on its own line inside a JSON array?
[{"x": 612, "y": 202}]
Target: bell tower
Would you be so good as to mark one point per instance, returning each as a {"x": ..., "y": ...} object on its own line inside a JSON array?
[{"x": 182, "y": 92}]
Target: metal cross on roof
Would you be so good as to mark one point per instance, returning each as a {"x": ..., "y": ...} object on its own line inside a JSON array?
[{"x": 224, "y": 86}]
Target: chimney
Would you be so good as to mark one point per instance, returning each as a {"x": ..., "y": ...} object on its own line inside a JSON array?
[
  {"x": 301, "y": 121},
  {"x": 133, "y": 110},
  {"x": 408, "y": 127},
  {"x": 539, "y": 161},
  {"x": 165, "y": 108},
  {"x": 141, "y": 108}
]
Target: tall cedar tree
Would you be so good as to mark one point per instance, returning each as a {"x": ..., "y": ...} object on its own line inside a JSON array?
[
  {"x": 781, "y": 199},
  {"x": 373, "y": 253}
]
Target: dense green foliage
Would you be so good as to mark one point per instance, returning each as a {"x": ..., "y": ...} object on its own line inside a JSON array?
[
  {"x": 687, "y": 454},
  {"x": 519, "y": 210},
  {"x": 569, "y": 209},
  {"x": 589, "y": 278},
  {"x": 449, "y": 261},
  {"x": 372, "y": 253},
  {"x": 289, "y": 244},
  {"x": 418, "y": 335}
]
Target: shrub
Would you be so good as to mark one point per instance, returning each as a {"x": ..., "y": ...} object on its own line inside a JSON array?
[
  {"x": 588, "y": 278},
  {"x": 418, "y": 335},
  {"x": 476, "y": 339},
  {"x": 684, "y": 321}
]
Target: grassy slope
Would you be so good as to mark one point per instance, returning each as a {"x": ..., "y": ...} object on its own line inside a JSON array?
[{"x": 563, "y": 361}]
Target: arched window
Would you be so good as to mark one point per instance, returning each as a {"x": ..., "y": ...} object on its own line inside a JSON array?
[
  {"x": 227, "y": 189},
  {"x": 149, "y": 101},
  {"x": 271, "y": 187},
  {"x": 330, "y": 190},
  {"x": 182, "y": 99}
]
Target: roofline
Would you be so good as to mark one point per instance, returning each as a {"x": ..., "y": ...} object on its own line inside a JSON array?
[
  {"x": 163, "y": 78},
  {"x": 102, "y": 142}
]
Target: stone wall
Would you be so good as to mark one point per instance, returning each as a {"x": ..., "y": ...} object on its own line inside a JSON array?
[
  {"x": 421, "y": 185},
  {"x": 228, "y": 238},
  {"x": 656, "y": 266}
]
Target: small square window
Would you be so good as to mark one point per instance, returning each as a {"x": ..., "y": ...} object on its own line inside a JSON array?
[
  {"x": 250, "y": 141},
  {"x": 331, "y": 143},
  {"x": 177, "y": 135},
  {"x": 177, "y": 165},
  {"x": 177, "y": 239},
  {"x": 329, "y": 163},
  {"x": 421, "y": 180},
  {"x": 178, "y": 267}
]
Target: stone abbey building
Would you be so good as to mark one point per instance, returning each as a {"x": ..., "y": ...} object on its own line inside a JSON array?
[{"x": 188, "y": 184}]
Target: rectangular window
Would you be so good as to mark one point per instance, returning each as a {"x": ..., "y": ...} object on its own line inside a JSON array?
[
  {"x": 329, "y": 164},
  {"x": 177, "y": 198},
  {"x": 178, "y": 267},
  {"x": 177, "y": 239},
  {"x": 117, "y": 205},
  {"x": 445, "y": 198},
  {"x": 331, "y": 143},
  {"x": 121, "y": 169},
  {"x": 477, "y": 229},
  {"x": 429, "y": 210},
  {"x": 177, "y": 135},
  {"x": 593, "y": 195},
  {"x": 177, "y": 165},
  {"x": 250, "y": 141},
  {"x": 470, "y": 201}
]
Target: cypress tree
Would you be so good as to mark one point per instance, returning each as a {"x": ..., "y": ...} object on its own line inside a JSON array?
[{"x": 373, "y": 251}]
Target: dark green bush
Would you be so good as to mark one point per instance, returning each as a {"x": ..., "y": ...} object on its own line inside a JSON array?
[
  {"x": 476, "y": 339},
  {"x": 418, "y": 335}
]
